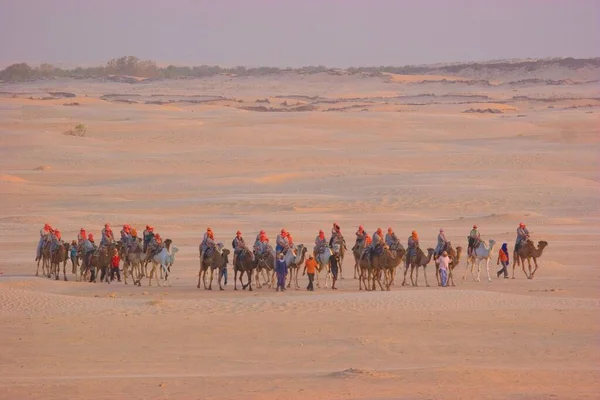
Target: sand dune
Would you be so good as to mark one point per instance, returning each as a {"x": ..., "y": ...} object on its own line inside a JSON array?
[{"x": 184, "y": 155}]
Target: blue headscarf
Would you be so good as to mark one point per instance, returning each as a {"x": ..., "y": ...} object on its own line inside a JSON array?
[{"x": 505, "y": 248}]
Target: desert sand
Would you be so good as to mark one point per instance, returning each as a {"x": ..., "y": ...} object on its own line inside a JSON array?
[{"x": 380, "y": 151}]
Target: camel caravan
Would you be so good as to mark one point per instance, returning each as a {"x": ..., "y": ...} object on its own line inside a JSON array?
[{"x": 376, "y": 258}]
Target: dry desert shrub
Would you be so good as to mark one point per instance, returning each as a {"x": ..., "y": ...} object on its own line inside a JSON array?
[{"x": 78, "y": 130}]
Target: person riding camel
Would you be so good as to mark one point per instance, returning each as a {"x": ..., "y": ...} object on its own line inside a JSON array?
[
  {"x": 522, "y": 236},
  {"x": 107, "y": 235},
  {"x": 81, "y": 236},
  {"x": 336, "y": 235},
  {"x": 44, "y": 237},
  {"x": 378, "y": 242},
  {"x": 391, "y": 240},
  {"x": 261, "y": 246},
  {"x": 413, "y": 245},
  {"x": 289, "y": 239},
  {"x": 442, "y": 243},
  {"x": 147, "y": 236},
  {"x": 89, "y": 247},
  {"x": 360, "y": 237},
  {"x": 126, "y": 235},
  {"x": 474, "y": 239},
  {"x": 208, "y": 243},
  {"x": 320, "y": 243},
  {"x": 156, "y": 246},
  {"x": 282, "y": 242},
  {"x": 56, "y": 241},
  {"x": 239, "y": 246},
  {"x": 368, "y": 242}
]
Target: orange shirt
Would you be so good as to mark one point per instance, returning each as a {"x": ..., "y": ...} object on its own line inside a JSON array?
[
  {"x": 502, "y": 255},
  {"x": 310, "y": 265}
]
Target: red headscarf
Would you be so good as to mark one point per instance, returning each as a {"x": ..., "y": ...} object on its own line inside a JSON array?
[{"x": 321, "y": 234}]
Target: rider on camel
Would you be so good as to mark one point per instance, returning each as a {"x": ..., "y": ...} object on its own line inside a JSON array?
[
  {"x": 282, "y": 242},
  {"x": 377, "y": 240},
  {"x": 474, "y": 239},
  {"x": 89, "y": 247},
  {"x": 81, "y": 236},
  {"x": 56, "y": 241},
  {"x": 320, "y": 243},
  {"x": 208, "y": 243},
  {"x": 147, "y": 236},
  {"x": 261, "y": 246},
  {"x": 44, "y": 237},
  {"x": 522, "y": 236},
  {"x": 239, "y": 245},
  {"x": 391, "y": 240},
  {"x": 442, "y": 243},
  {"x": 360, "y": 237},
  {"x": 413, "y": 245},
  {"x": 336, "y": 235},
  {"x": 156, "y": 245},
  {"x": 126, "y": 235},
  {"x": 107, "y": 235}
]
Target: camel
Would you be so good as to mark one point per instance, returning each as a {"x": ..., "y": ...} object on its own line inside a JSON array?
[
  {"x": 218, "y": 257},
  {"x": 323, "y": 264},
  {"x": 294, "y": 262},
  {"x": 265, "y": 264},
  {"x": 454, "y": 255},
  {"x": 480, "y": 253},
  {"x": 165, "y": 258},
  {"x": 60, "y": 255},
  {"x": 387, "y": 263},
  {"x": 527, "y": 252},
  {"x": 244, "y": 264},
  {"x": 368, "y": 276},
  {"x": 132, "y": 263},
  {"x": 86, "y": 269},
  {"x": 357, "y": 252},
  {"x": 45, "y": 260},
  {"x": 420, "y": 260},
  {"x": 105, "y": 254}
]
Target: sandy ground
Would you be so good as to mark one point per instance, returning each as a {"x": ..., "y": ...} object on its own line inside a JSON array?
[{"x": 395, "y": 151}]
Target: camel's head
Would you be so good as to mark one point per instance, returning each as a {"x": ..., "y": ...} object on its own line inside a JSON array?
[
  {"x": 168, "y": 243},
  {"x": 458, "y": 250},
  {"x": 492, "y": 243},
  {"x": 302, "y": 249},
  {"x": 542, "y": 244},
  {"x": 430, "y": 251},
  {"x": 226, "y": 252}
]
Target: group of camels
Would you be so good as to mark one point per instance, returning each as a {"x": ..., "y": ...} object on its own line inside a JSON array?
[
  {"x": 379, "y": 270},
  {"x": 135, "y": 262}
]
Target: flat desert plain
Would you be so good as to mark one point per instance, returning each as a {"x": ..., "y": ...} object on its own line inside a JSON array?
[{"x": 300, "y": 152}]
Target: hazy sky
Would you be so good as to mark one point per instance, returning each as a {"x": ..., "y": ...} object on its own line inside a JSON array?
[{"x": 296, "y": 32}]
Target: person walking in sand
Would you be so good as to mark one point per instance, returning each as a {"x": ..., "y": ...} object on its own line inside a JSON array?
[
  {"x": 334, "y": 265},
  {"x": 281, "y": 270},
  {"x": 444, "y": 261},
  {"x": 310, "y": 266},
  {"x": 114, "y": 263},
  {"x": 503, "y": 258}
]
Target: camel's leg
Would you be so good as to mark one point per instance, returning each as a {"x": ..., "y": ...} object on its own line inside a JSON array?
[
  {"x": 405, "y": 272},
  {"x": 450, "y": 276},
  {"x": 249, "y": 273},
  {"x": 529, "y": 267},
  {"x": 357, "y": 271},
  {"x": 150, "y": 277},
  {"x": 317, "y": 273},
  {"x": 65, "y": 270},
  {"x": 220, "y": 279},
  {"x": 536, "y": 267},
  {"x": 296, "y": 278},
  {"x": 466, "y": 269},
  {"x": 425, "y": 275},
  {"x": 126, "y": 266},
  {"x": 235, "y": 271},
  {"x": 487, "y": 268},
  {"x": 211, "y": 278},
  {"x": 437, "y": 275},
  {"x": 412, "y": 268},
  {"x": 377, "y": 277},
  {"x": 291, "y": 274},
  {"x": 156, "y": 273}
]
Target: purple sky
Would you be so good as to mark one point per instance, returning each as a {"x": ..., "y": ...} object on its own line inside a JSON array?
[{"x": 296, "y": 33}]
